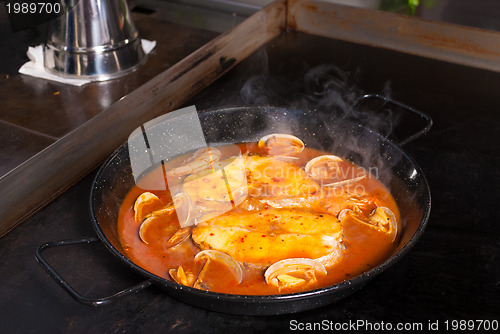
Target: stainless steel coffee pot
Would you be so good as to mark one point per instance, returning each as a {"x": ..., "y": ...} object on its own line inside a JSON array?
[{"x": 93, "y": 39}]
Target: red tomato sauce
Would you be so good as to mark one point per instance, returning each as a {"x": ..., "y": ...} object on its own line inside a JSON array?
[{"x": 365, "y": 247}]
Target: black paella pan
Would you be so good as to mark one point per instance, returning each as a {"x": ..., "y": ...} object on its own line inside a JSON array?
[{"x": 321, "y": 130}]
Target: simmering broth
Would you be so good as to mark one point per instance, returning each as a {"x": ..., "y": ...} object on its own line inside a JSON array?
[{"x": 290, "y": 227}]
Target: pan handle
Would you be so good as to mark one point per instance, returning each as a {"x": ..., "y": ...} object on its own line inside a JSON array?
[
  {"x": 68, "y": 288},
  {"x": 422, "y": 115}
]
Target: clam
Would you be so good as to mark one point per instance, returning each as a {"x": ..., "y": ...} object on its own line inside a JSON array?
[
  {"x": 293, "y": 272},
  {"x": 143, "y": 230},
  {"x": 326, "y": 167},
  {"x": 144, "y": 202},
  {"x": 281, "y": 144},
  {"x": 323, "y": 167},
  {"x": 179, "y": 237},
  {"x": 181, "y": 277},
  {"x": 215, "y": 255},
  {"x": 183, "y": 208},
  {"x": 381, "y": 219},
  {"x": 181, "y": 205}
]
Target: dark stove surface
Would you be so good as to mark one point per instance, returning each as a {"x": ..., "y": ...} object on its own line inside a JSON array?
[{"x": 453, "y": 273}]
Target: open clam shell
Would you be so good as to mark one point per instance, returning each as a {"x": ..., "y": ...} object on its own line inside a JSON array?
[
  {"x": 183, "y": 208},
  {"x": 179, "y": 237},
  {"x": 293, "y": 271},
  {"x": 228, "y": 261},
  {"x": 144, "y": 203},
  {"x": 143, "y": 230},
  {"x": 181, "y": 205},
  {"x": 179, "y": 275},
  {"x": 281, "y": 144},
  {"x": 382, "y": 219},
  {"x": 323, "y": 167}
]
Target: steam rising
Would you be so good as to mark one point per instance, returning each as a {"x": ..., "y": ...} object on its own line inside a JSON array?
[{"x": 327, "y": 93}]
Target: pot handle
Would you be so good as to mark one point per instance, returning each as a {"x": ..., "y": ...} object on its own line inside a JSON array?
[
  {"x": 68, "y": 288},
  {"x": 422, "y": 115}
]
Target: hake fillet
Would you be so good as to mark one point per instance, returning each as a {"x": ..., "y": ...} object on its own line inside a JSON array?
[
  {"x": 264, "y": 237},
  {"x": 281, "y": 184}
]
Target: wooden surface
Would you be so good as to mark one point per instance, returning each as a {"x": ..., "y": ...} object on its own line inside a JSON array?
[
  {"x": 436, "y": 40},
  {"x": 47, "y": 174}
]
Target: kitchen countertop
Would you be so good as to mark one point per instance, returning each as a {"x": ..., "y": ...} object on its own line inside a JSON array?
[
  {"x": 36, "y": 112},
  {"x": 453, "y": 273}
]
